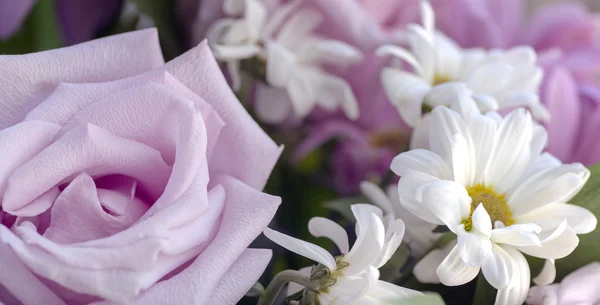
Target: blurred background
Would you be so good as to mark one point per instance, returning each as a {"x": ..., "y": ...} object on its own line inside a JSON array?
[{"x": 30, "y": 26}]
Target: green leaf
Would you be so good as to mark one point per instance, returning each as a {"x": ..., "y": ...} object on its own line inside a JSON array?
[
  {"x": 485, "y": 294},
  {"x": 441, "y": 229},
  {"x": 589, "y": 248},
  {"x": 46, "y": 26},
  {"x": 39, "y": 31},
  {"x": 311, "y": 162},
  {"x": 426, "y": 299}
]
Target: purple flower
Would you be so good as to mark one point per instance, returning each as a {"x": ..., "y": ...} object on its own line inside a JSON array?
[
  {"x": 570, "y": 37},
  {"x": 360, "y": 154},
  {"x": 365, "y": 147}
]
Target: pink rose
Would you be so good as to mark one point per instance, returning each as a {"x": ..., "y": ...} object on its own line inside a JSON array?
[{"x": 127, "y": 180}]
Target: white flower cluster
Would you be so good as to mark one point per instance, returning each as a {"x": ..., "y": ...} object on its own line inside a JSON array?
[
  {"x": 483, "y": 176},
  {"x": 352, "y": 278},
  {"x": 445, "y": 74},
  {"x": 282, "y": 47}
]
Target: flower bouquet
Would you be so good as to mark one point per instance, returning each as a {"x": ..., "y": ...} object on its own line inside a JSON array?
[{"x": 299, "y": 152}]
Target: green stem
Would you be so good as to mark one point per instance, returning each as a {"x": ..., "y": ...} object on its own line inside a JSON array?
[{"x": 279, "y": 281}]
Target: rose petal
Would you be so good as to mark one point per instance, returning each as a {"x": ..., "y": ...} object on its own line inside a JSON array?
[
  {"x": 153, "y": 113},
  {"x": 80, "y": 206},
  {"x": 21, "y": 282},
  {"x": 20, "y": 143},
  {"x": 253, "y": 163},
  {"x": 244, "y": 207},
  {"x": 25, "y": 80},
  {"x": 118, "y": 267},
  {"x": 90, "y": 149},
  {"x": 240, "y": 277}
]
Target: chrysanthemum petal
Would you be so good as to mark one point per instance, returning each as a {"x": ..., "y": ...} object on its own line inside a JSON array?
[
  {"x": 549, "y": 217},
  {"x": 323, "y": 227},
  {"x": 558, "y": 244},
  {"x": 447, "y": 200},
  {"x": 303, "y": 248},
  {"x": 515, "y": 236},
  {"x": 370, "y": 238},
  {"x": 402, "y": 54},
  {"x": 512, "y": 151},
  {"x": 410, "y": 181},
  {"x": 516, "y": 293},
  {"x": 425, "y": 270},
  {"x": 498, "y": 269},
  {"x": 473, "y": 247},
  {"x": 547, "y": 275},
  {"x": 463, "y": 160},
  {"x": 483, "y": 132},
  {"x": 377, "y": 197},
  {"x": 394, "y": 234},
  {"x": 406, "y": 91},
  {"x": 548, "y": 186},
  {"x": 445, "y": 124},
  {"x": 453, "y": 271},
  {"x": 421, "y": 160}
]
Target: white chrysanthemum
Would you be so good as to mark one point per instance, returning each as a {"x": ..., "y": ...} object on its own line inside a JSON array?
[
  {"x": 419, "y": 235},
  {"x": 284, "y": 48},
  {"x": 492, "y": 80},
  {"x": 236, "y": 39},
  {"x": 488, "y": 181},
  {"x": 353, "y": 276}
]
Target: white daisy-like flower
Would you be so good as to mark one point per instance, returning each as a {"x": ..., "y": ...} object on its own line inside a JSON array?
[
  {"x": 486, "y": 179},
  {"x": 235, "y": 39},
  {"x": 353, "y": 277},
  {"x": 419, "y": 235},
  {"x": 492, "y": 80},
  {"x": 284, "y": 50}
]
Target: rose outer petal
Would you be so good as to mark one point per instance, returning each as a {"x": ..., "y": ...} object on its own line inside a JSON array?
[
  {"x": 256, "y": 155},
  {"x": 25, "y": 80},
  {"x": 244, "y": 208}
]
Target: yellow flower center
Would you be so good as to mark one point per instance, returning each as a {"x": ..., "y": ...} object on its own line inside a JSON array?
[
  {"x": 440, "y": 79},
  {"x": 494, "y": 203}
]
